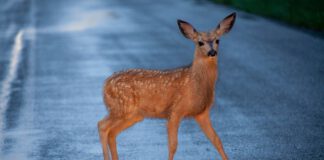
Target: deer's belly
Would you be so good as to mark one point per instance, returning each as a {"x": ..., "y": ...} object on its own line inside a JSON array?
[{"x": 155, "y": 105}]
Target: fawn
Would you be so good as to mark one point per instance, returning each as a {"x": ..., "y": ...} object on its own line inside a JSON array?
[{"x": 132, "y": 95}]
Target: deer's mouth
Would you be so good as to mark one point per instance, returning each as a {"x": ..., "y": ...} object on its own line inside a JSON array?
[{"x": 212, "y": 53}]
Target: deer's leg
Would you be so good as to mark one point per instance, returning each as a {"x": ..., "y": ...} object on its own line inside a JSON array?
[
  {"x": 204, "y": 122},
  {"x": 173, "y": 126},
  {"x": 104, "y": 126},
  {"x": 122, "y": 125}
]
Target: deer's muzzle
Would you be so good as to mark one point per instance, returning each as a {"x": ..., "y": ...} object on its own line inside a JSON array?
[{"x": 212, "y": 53}]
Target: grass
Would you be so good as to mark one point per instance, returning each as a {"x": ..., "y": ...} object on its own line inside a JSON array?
[{"x": 303, "y": 13}]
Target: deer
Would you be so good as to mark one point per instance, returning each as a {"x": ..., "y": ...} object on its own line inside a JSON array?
[{"x": 174, "y": 94}]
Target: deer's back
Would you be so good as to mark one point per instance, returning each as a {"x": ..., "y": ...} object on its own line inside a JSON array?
[{"x": 149, "y": 92}]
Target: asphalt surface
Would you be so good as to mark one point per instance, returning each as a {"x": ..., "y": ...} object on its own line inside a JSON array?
[{"x": 55, "y": 56}]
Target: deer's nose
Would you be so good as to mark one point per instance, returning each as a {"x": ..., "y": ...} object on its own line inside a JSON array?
[{"x": 212, "y": 53}]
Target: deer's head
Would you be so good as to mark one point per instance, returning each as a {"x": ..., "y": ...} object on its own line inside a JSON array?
[{"x": 207, "y": 42}]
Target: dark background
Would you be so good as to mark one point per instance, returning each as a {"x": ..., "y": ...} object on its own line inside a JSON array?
[{"x": 302, "y": 13}]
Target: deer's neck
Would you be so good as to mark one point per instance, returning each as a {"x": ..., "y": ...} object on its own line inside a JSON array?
[{"x": 204, "y": 72}]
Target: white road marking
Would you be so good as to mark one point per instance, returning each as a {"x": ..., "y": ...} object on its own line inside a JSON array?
[{"x": 6, "y": 86}]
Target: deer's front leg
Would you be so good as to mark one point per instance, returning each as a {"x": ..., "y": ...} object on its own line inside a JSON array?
[
  {"x": 204, "y": 122},
  {"x": 173, "y": 125}
]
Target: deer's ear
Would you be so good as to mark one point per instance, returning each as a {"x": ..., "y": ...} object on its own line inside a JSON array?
[
  {"x": 226, "y": 24},
  {"x": 187, "y": 30}
]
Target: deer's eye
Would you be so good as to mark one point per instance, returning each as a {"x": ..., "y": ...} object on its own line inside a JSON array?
[
  {"x": 201, "y": 43},
  {"x": 217, "y": 41}
]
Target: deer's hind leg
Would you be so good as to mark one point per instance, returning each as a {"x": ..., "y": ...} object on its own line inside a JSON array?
[
  {"x": 104, "y": 127},
  {"x": 172, "y": 127},
  {"x": 123, "y": 124}
]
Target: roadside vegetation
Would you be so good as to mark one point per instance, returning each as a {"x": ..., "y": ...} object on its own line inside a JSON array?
[{"x": 303, "y": 13}]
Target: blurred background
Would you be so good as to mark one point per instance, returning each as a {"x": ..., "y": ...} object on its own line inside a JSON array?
[
  {"x": 301, "y": 13},
  {"x": 55, "y": 56}
]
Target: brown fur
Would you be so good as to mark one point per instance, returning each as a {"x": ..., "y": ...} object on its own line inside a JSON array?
[{"x": 132, "y": 95}]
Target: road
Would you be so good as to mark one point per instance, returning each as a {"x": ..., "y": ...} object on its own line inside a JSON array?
[{"x": 55, "y": 56}]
